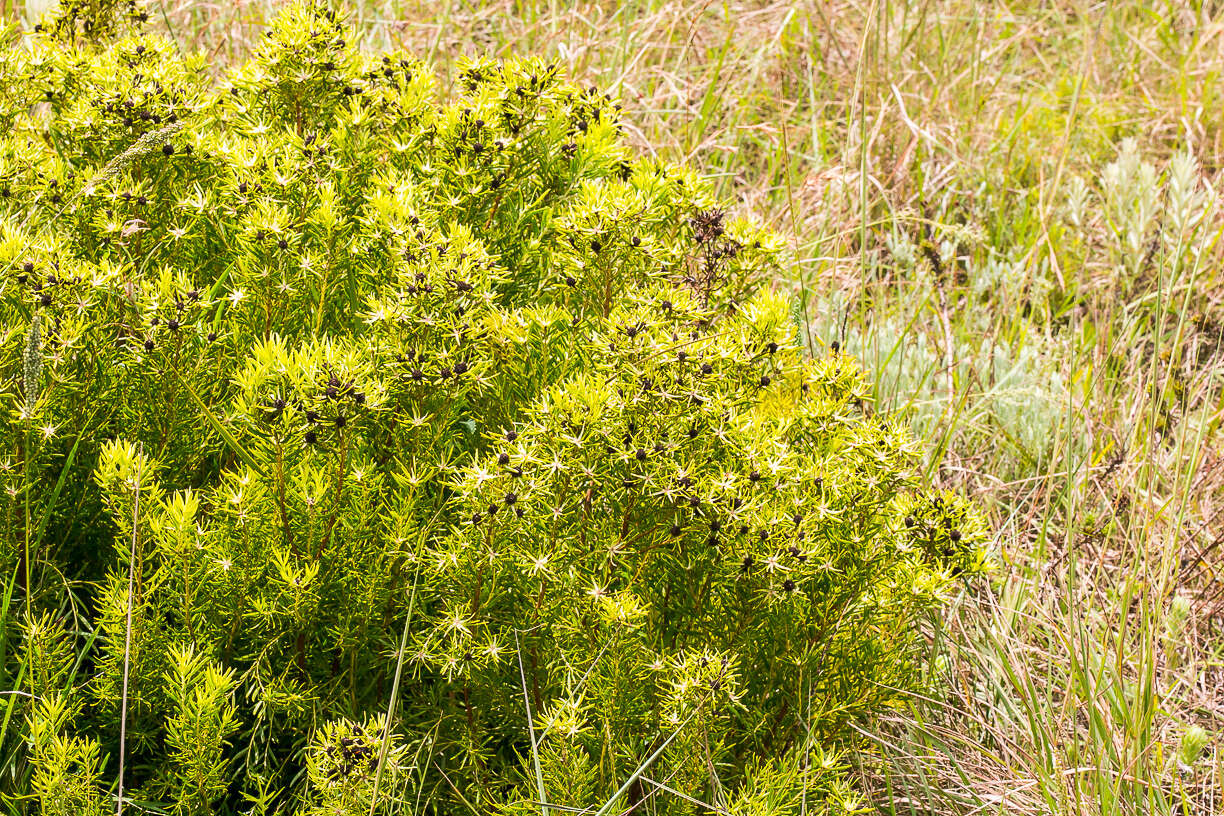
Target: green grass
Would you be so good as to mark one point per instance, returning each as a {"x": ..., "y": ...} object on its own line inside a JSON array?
[{"x": 1038, "y": 295}]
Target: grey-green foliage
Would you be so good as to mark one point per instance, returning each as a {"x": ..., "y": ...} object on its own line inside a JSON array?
[{"x": 319, "y": 347}]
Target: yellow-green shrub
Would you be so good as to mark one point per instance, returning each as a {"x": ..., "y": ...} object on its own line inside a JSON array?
[{"x": 307, "y": 361}]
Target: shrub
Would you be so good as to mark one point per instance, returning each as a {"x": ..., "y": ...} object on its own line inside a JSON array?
[{"x": 324, "y": 392}]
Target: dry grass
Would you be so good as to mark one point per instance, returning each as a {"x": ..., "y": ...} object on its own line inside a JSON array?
[{"x": 1043, "y": 302}]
